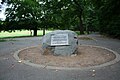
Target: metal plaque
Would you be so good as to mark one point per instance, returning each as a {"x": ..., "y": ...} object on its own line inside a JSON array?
[{"x": 59, "y": 39}]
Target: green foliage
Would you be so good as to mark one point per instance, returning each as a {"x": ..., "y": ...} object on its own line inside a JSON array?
[
  {"x": 57, "y": 14},
  {"x": 1, "y": 25},
  {"x": 23, "y": 14},
  {"x": 62, "y": 14},
  {"x": 79, "y": 15},
  {"x": 110, "y": 18},
  {"x": 90, "y": 17}
]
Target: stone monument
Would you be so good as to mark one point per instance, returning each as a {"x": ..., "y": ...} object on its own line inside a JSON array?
[{"x": 60, "y": 42}]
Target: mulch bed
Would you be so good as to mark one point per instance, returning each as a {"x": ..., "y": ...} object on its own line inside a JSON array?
[{"x": 87, "y": 56}]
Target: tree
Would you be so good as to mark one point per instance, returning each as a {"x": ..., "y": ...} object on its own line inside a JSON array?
[
  {"x": 64, "y": 13},
  {"x": 108, "y": 15},
  {"x": 1, "y": 25},
  {"x": 90, "y": 19},
  {"x": 23, "y": 14},
  {"x": 59, "y": 14}
]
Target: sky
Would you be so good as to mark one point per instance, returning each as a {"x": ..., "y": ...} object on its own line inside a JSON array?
[{"x": 3, "y": 7}]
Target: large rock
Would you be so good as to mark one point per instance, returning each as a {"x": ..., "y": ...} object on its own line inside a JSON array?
[{"x": 60, "y": 49}]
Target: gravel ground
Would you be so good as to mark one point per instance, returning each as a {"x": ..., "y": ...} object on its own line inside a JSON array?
[
  {"x": 10, "y": 69},
  {"x": 87, "y": 56}
]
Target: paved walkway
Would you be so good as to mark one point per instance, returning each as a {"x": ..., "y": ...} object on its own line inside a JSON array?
[{"x": 10, "y": 69}]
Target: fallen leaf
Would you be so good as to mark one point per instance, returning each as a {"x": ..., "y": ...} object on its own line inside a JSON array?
[
  {"x": 20, "y": 61},
  {"x": 12, "y": 66},
  {"x": 93, "y": 70},
  {"x": 56, "y": 70},
  {"x": 73, "y": 55},
  {"x": 93, "y": 75}
]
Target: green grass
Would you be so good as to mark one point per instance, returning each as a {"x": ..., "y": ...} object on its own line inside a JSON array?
[
  {"x": 23, "y": 33},
  {"x": 17, "y": 33},
  {"x": 78, "y": 32}
]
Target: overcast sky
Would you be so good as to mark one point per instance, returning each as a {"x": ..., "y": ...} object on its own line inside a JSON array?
[{"x": 3, "y": 7}]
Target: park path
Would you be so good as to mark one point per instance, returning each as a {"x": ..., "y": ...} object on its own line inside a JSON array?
[{"x": 10, "y": 69}]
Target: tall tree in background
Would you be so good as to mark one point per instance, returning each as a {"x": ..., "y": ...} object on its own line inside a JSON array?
[
  {"x": 66, "y": 13},
  {"x": 109, "y": 16},
  {"x": 23, "y": 14},
  {"x": 79, "y": 6},
  {"x": 59, "y": 14},
  {"x": 90, "y": 18}
]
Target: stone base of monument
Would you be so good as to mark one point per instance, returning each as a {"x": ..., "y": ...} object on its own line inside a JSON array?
[{"x": 87, "y": 56}]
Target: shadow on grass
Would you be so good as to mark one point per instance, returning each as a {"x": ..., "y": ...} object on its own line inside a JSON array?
[
  {"x": 19, "y": 37},
  {"x": 2, "y": 40}
]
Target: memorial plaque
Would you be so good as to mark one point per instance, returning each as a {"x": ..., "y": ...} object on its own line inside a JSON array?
[{"x": 59, "y": 39}]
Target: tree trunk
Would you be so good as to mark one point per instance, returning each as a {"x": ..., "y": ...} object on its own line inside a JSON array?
[
  {"x": 30, "y": 32},
  {"x": 81, "y": 28},
  {"x": 35, "y": 32},
  {"x": 44, "y": 31},
  {"x": 79, "y": 14}
]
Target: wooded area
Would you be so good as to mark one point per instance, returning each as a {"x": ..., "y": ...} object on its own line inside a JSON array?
[{"x": 79, "y": 15}]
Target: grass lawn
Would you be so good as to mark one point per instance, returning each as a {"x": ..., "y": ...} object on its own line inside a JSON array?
[
  {"x": 18, "y": 33},
  {"x": 23, "y": 33}
]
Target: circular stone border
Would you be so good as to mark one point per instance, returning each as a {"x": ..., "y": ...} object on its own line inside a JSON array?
[{"x": 117, "y": 58}]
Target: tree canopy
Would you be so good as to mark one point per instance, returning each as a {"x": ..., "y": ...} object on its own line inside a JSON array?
[
  {"x": 23, "y": 14},
  {"x": 108, "y": 14},
  {"x": 82, "y": 15}
]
